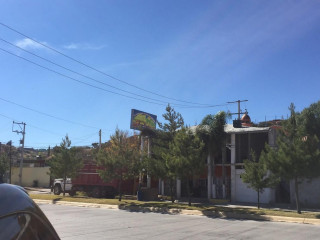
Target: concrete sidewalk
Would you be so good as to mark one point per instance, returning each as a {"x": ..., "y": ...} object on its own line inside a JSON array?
[{"x": 187, "y": 212}]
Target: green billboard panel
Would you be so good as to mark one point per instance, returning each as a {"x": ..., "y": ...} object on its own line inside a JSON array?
[{"x": 142, "y": 120}]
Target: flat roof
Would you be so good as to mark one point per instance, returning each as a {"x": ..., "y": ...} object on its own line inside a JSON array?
[{"x": 228, "y": 128}]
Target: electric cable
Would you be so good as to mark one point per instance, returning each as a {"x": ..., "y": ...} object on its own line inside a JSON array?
[
  {"x": 46, "y": 114},
  {"x": 97, "y": 70},
  {"x": 80, "y": 74},
  {"x": 76, "y": 80},
  {"x": 103, "y": 89}
]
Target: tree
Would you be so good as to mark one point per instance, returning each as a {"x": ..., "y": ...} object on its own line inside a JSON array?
[
  {"x": 4, "y": 165},
  {"x": 159, "y": 165},
  {"x": 310, "y": 119},
  {"x": 65, "y": 161},
  {"x": 297, "y": 155},
  {"x": 211, "y": 131},
  {"x": 120, "y": 159},
  {"x": 257, "y": 175},
  {"x": 174, "y": 121},
  {"x": 186, "y": 156},
  {"x": 155, "y": 163}
]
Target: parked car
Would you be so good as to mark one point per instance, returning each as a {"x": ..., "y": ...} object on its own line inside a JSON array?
[{"x": 20, "y": 216}]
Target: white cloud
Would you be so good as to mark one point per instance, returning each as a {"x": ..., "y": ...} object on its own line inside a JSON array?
[
  {"x": 27, "y": 43},
  {"x": 71, "y": 46},
  {"x": 83, "y": 46}
]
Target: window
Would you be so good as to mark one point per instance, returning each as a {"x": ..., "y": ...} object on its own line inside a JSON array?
[{"x": 25, "y": 226}]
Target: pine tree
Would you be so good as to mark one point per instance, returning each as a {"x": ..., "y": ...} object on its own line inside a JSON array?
[
  {"x": 4, "y": 165},
  {"x": 65, "y": 161},
  {"x": 257, "y": 175},
  {"x": 158, "y": 165},
  {"x": 186, "y": 156},
  {"x": 297, "y": 156},
  {"x": 120, "y": 159}
]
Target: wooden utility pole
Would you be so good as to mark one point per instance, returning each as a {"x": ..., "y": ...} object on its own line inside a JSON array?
[
  {"x": 23, "y": 132},
  {"x": 100, "y": 139},
  {"x": 10, "y": 159},
  {"x": 239, "y": 110}
]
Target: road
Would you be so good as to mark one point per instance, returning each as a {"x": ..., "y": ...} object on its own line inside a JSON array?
[{"x": 94, "y": 223}]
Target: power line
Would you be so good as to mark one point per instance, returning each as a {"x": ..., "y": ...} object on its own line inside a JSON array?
[
  {"x": 97, "y": 70},
  {"x": 77, "y": 139},
  {"x": 46, "y": 114},
  {"x": 103, "y": 89},
  {"x": 76, "y": 80},
  {"x": 32, "y": 126},
  {"x": 80, "y": 74}
]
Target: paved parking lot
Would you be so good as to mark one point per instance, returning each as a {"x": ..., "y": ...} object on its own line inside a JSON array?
[{"x": 94, "y": 223}]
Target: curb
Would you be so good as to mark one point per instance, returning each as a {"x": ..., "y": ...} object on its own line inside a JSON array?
[
  {"x": 216, "y": 214},
  {"x": 76, "y": 204}
]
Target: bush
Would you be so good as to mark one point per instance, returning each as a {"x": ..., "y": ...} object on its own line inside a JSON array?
[{"x": 35, "y": 183}]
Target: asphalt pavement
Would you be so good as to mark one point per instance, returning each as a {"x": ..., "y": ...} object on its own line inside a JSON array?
[{"x": 73, "y": 222}]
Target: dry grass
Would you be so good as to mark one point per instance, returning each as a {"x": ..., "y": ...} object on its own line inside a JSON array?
[{"x": 205, "y": 207}]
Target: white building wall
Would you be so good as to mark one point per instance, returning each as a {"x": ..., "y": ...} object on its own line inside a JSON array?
[
  {"x": 248, "y": 195},
  {"x": 309, "y": 193}
]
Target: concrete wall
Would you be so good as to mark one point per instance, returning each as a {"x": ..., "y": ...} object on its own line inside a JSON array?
[
  {"x": 248, "y": 195},
  {"x": 30, "y": 174},
  {"x": 309, "y": 193}
]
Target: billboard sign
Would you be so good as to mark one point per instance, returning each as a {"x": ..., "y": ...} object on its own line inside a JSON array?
[{"x": 142, "y": 120}]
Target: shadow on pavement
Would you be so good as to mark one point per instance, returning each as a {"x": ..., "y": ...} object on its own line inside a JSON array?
[
  {"x": 243, "y": 215},
  {"x": 148, "y": 209},
  {"x": 56, "y": 200}
]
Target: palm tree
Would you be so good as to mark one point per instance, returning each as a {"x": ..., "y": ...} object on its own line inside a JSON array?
[{"x": 211, "y": 130}]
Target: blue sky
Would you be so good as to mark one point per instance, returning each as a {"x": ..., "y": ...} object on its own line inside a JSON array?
[{"x": 208, "y": 52}]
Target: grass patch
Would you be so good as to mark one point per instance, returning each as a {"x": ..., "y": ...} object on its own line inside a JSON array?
[
  {"x": 81, "y": 199},
  {"x": 205, "y": 207}
]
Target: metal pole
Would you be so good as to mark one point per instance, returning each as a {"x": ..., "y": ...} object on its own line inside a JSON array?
[
  {"x": 148, "y": 176},
  {"x": 141, "y": 147}
]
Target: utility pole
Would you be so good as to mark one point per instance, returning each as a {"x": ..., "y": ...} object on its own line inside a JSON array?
[
  {"x": 100, "y": 139},
  {"x": 23, "y": 132},
  {"x": 141, "y": 158},
  {"x": 10, "y": 160},
  {"x": 148, "y": 174},
  {"x": 239, "y": 110}
]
